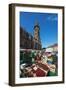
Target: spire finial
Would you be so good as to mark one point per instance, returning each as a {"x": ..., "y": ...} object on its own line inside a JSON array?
[{"x": 36, "y": 22}]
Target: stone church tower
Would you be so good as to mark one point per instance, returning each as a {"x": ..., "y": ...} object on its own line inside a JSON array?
[{"x": 37, "y": 41}]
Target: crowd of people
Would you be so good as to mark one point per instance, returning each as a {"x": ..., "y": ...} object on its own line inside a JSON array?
[{"x": 35, "y": 64}]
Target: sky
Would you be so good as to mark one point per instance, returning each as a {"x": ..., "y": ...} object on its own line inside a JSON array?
[{"x": 48, "y": 23}]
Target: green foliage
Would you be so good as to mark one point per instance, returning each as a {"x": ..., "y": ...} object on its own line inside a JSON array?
[
  {"x": 54, "y": 57},
  {"x": 25, "y": 57},
  {"x": 52, "y": 74}
]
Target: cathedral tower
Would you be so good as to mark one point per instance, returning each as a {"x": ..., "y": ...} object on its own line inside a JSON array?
[{"x": 37, "y": 41}]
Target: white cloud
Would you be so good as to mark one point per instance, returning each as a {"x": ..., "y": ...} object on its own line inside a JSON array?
[{"x": 52, "y": 18}]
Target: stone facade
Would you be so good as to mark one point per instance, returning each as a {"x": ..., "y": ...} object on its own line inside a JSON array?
[
  {"x": 37, "y": 41},
  {"x": 27, "y": 41}
]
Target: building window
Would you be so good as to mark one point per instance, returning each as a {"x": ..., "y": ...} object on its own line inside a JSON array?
[{"x": 36, "y": 46}]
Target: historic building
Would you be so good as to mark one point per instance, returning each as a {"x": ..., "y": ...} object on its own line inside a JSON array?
[
  {"x": 27, "y": 41},
  {"x": 36, "y": 39},
  {"x": 52, "y": 48}
]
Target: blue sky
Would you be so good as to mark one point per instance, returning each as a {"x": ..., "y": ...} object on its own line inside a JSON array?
[{"x": 48, "y": 23}]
